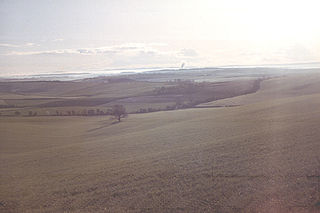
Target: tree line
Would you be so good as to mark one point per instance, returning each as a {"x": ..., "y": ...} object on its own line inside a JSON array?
[{"x": 117, "y": 111}]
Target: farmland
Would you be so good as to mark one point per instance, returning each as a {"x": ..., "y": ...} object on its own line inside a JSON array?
[{"x": 261, "y": 155}]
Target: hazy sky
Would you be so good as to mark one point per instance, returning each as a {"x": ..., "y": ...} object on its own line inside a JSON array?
[{"x": 43, "y": 36}]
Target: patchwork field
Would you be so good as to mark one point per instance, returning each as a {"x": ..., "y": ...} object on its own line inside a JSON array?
[
  {"x": 45, "y": 98},
  {"x": 262, "y": 155}
]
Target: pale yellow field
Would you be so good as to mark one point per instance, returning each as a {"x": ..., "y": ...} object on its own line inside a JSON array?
[
  {"x": 276, "y": 88},
  {"x": 262, "y": 156}
]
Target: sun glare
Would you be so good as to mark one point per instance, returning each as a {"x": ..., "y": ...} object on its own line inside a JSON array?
[{"x": 263, "y": 20}]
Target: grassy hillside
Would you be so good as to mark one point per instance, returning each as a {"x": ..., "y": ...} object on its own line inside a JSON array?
[{"x": 262, "y": 156}]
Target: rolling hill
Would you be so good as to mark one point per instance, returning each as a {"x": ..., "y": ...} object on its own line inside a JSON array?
[{"x": 260, "y": 156}]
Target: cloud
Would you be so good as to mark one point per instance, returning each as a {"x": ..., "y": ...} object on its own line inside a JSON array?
[
  {"x": 146, "y": 58},
  {"x": 28, "y": 44},
  {"x": 299, "y": 52},
  {"x": 84, "y": 51},
  {"x": 48, "y": 52},
  {"x": 188, "y": 53},
  {"x": 8, "y": 45},
  {"x": 58, "y": 40},
  {"x": 127, "y": 55},
  {"x": 290, "y": 54},
  {"x": 130, "y": 48}
]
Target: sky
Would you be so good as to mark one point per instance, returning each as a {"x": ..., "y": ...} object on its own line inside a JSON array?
[{"x": 58, "y": 36}]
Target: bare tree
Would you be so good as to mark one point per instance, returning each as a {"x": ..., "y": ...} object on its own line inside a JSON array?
[{"x": 119, "y": 111}]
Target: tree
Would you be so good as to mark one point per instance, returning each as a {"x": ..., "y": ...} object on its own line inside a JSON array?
[{"x": 118, "y": 111}]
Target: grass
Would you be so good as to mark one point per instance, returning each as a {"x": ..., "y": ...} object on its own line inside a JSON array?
[{"x": 258, "y": 157}]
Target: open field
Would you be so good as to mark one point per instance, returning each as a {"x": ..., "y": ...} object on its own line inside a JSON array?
[
  {"x": 260, "y": 156},
  {"x": 50, "y": 97}
]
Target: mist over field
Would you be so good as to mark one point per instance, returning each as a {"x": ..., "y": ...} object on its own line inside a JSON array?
[{"x": 159, "y": 106}]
